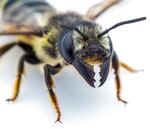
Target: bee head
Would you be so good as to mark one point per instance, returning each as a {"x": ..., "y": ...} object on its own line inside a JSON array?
[
  {"x": 85, "y": 44},
  {"x": 88, "y": 46},
  {"x": 81, "y": 46}
]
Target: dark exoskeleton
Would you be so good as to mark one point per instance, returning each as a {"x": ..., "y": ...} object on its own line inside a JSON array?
[{"x": 59, "y": 39}]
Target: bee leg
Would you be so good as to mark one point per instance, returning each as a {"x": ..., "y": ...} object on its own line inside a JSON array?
[
  {"x": 96, "y": 10},
  {"x": 54, "y": 69},
  {"x": 130, "y": 69},
  {"x": 115, "y": 65},
  {"x": 50, "y": 86},
  {"x": 25, "y": 58},
  {"x": 6, "y": 47}
]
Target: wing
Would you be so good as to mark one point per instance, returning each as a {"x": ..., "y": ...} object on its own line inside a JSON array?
[
  {"x": 24, "y": 14},
  {"x": 96, "y": 10}
]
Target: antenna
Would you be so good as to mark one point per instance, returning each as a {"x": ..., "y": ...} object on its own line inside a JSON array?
[{"x": 120, "y": 24}]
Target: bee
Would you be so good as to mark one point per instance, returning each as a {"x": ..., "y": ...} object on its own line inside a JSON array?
[{"x": 58, "y": 39}]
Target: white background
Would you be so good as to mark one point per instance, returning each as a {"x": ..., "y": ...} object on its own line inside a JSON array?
[{"x": 81, "y": 105}]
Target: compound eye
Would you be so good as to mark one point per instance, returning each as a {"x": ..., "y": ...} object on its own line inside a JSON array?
[{"x": 66, "y": 47}]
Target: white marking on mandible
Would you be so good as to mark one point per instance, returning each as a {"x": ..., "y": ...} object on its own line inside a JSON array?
[{"x": 97, "y": 76}]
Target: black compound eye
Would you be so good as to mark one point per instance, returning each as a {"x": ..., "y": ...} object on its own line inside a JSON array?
[{"x": 66, "y": 47}]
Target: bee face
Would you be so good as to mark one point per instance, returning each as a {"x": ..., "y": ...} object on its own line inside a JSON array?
[{"x": 89, "y": 48}]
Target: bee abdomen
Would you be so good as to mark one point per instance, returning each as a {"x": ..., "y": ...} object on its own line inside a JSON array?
[{"x": 20, "y": 10}]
